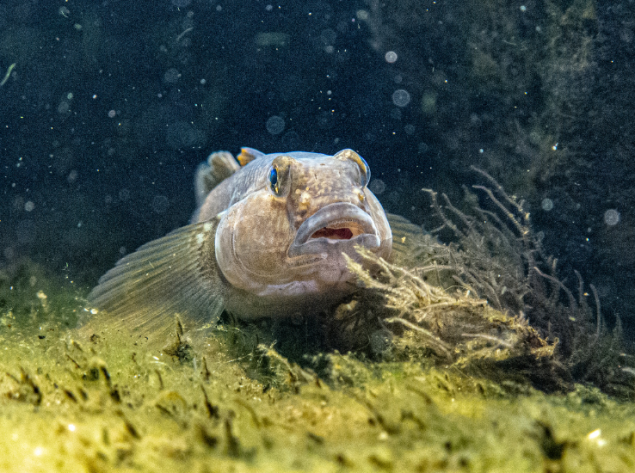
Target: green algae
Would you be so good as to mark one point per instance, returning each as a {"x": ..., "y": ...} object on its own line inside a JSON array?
[
  {"x": 435, "y": 377},
  {"x": 114, "y": 404}
]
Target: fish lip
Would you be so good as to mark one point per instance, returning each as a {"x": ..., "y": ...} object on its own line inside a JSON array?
[{"x": 330, "y": 215}]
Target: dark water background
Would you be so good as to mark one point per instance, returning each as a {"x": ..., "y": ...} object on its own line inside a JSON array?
[{"x": 111, "y": 105}]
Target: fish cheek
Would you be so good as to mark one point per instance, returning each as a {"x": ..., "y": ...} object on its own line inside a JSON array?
[{"x": 252, "y": 241}]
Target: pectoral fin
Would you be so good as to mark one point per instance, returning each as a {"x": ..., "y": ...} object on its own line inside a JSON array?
[
  {"x": 413, "y": 247},
  {"x": 174, "y": 275},
  {"x": 406, "y": 236}
]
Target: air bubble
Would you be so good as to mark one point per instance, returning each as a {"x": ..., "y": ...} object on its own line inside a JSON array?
[
  {"x": 275, "y": 125},
  {"x": 377, "y": 186},
  {"x": 328, "y": 36},
  {"x": 171, "y": 76},
  {"x": 391, "y": 57},
  {"x": 611, "y": 217},
  {"x": 401, "y": 97},
  {"x": 63, "y": 107},
  {"x": 546, "y": 204},
  {"x": 160, "y": 204},
  {"x": 291, "y": 140},
  {"x": 362, "y": 15},
  {"x": 182, "y": 134}
]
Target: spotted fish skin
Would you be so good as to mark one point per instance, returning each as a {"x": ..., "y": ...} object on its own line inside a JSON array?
[{"x": 267, "y": 240}]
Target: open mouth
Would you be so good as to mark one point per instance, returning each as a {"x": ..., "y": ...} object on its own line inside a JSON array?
[
  {"x": 335, "y": 233},
  {"x": 335, "y": 227}
]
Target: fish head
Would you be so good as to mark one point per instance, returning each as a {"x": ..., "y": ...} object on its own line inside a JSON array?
[{"x": 287, "y": 237}]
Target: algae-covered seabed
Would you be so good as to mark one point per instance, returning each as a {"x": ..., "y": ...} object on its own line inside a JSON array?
[{"x": 114, "y": 404}]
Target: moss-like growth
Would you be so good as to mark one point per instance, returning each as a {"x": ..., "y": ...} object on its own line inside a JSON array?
[
  {"x": 445, "y": 348},
  {"x": 112, "y": 404},
  {"x": 497, "y": 255}
]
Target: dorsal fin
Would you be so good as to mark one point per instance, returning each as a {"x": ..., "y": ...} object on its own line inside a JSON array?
[
  {"x": 219, "y": 166},
  {"x": 247, "y": 155}
]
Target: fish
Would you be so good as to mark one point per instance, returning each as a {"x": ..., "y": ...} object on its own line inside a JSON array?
[{"x": 267, "y": 239}]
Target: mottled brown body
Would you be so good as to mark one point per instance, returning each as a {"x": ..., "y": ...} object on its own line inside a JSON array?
[{"x": 279, "y": 227}]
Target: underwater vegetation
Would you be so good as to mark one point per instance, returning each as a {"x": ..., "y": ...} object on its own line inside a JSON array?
[
  {"x": 492, "y": 294},
  {"x": 468, "y": 356},
  {"x": 499, "y": 257},
  {"x": 524, "y": 90}
]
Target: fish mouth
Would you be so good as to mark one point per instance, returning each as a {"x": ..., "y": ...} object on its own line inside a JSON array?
[{"x": 335, "y": 228}]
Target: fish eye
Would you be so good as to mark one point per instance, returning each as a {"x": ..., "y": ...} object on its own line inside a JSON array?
[
  {"x": 273, "y": 180},
  {"x": 349, "y": 154}
]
